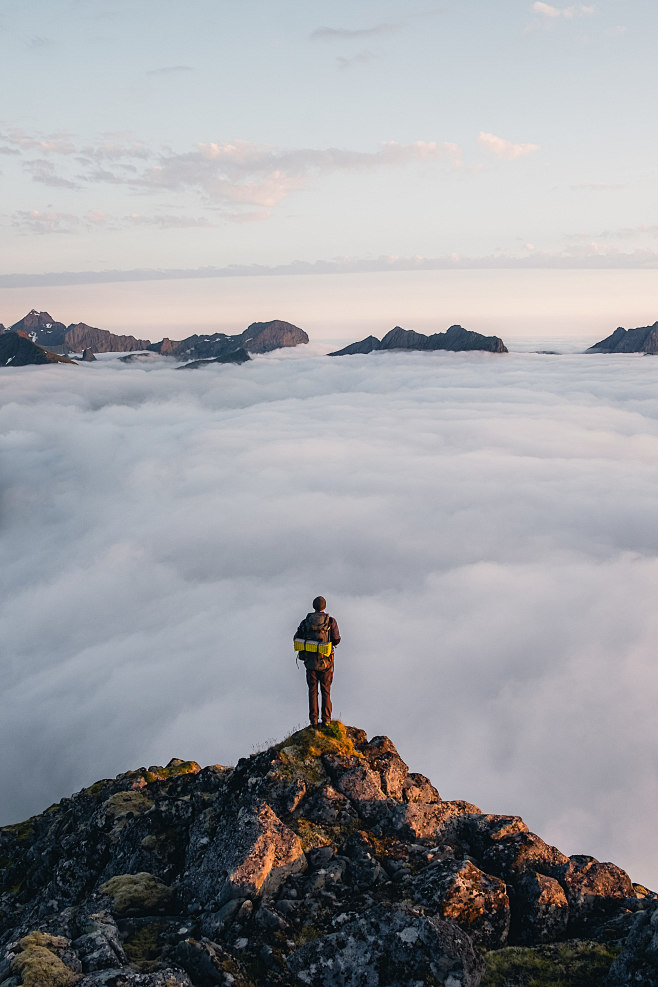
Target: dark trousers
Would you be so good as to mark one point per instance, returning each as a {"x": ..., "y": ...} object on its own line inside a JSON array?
[{"x": 324, "y": 680}]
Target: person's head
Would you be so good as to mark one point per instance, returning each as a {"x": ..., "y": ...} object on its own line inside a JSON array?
[{"x": 319, "y": 603}]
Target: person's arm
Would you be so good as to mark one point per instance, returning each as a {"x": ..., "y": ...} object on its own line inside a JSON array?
[{"x": 334, "y": 632}]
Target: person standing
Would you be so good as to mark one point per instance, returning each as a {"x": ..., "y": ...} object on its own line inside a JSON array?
[{"x": 315, "y": 641}]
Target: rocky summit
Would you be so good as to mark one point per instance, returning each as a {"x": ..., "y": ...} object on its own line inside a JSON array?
[
  {"x": 644, "y": 339},
  {"x": 321, "y": 861},
  {"x": 455, "y": 338}
]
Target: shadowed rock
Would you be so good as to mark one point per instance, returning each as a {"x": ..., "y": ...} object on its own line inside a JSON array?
[
  {"x": 323, "y": 861},
  {"x": 456, "y": 338},
  {"x": 16, "y": 350},
  {"x": 641, "y": 340}
]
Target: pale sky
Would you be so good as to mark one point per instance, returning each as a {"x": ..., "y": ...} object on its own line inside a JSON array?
[{"x": 491, "y": 164}]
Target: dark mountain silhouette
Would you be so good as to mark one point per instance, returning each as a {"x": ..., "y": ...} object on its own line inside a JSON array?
[
  {"x": 641, "y": 340},
  {"x": 455, "y": 338},
  {"x": 320, "y": 861},
  {"x": 18, "y": 350},
  {"x": 259, "y": 337}
]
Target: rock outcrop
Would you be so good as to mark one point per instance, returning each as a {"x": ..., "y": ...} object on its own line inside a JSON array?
[
  {"x": 641, "y": 340},
  {"x": 80, "y": 336},
  {"x": 18, "y": 350},
  {"x": 259, "y": 337},
  {"x": 238, "y": 355},
  {"x": 45, "y": 331},
  {"x": 456, "y": 338},
  {"x": 321, "y": 861}
]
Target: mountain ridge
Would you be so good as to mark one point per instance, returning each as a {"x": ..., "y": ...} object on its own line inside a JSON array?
[{"x": 322, "y": 860}]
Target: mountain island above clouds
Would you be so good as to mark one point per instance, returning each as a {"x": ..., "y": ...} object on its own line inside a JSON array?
[
  {"x": 320, "y": 861},
  {"x": 37, "y": 338}
]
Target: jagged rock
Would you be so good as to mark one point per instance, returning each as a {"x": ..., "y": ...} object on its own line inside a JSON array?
[
  {"x": 80, "y": 336},
  {"x": 259, "y": 337},
  {"x": 641, "y": 340},
  {"x": 460, "y": 891},
  {"x": 389, "y": 946},
  {"x": 41, "y": 328},
  {"x": 16, "y": 350},
  {"x": 88, "y": 355},
  {"x": 455, "y": 338},
  {"x": 209, "y": 964},
  {"x": 393, "y": 772},
  {"x": 540, "y": 911},
  {"x": 330, "y": 807},
  {"x": 366, "y": 345},
  {"x": 594, "y": 890},
  {"x": 422, "y": 820},
  {"x": 637, "y": 963},
  {"x": 251, "y": 854},
  {"x": 522, "y": 853},
  {"x": 418, "y": 788},
  {"x": 224, "y": 872},
  {"x": 100, "y": 946}
]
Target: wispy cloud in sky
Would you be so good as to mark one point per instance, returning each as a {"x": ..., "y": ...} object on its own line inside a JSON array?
[
  {"x": 236, "y": 176},
  {"x": 351, "y": 34},
  {"x": 505, "y": 149},
  {"x": 567, "y": 13}
]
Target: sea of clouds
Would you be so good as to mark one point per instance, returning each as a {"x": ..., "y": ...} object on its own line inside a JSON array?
[{"x": 482, "y": 526}]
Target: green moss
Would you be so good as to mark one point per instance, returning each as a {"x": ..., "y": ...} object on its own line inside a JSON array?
[
  {"x": 142, "y": 947},
  {"x": 141, "y": 894},
  {"x": 332, "y": 739},
  {"x": 21, "y": 831},
  {"x": 568, "y": 964},
  {"x": 38, "y": 965},
  {"x": 96, "y": 790}
]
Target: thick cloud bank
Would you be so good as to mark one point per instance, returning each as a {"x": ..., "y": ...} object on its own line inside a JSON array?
[{"x": 482, "y": 526}]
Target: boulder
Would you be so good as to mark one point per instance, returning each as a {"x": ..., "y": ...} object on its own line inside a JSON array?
[
  {"x": 540, "y": 911},
  {"x": 637, "y": 963},
  {"x": 423, "y": 820},
  {"x": 594, "y": 890},
  {"x": 251, "y": 855},
  {"x": 460, "y": 891},
  {"x": 389, "y": 947},
  {"x": 138, "y": 894}
]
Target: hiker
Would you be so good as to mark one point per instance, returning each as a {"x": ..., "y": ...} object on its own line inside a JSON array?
[{"x": 315, "y": 640}]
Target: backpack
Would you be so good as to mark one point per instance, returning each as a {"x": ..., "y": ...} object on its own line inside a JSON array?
[{"x": 316, "y": 645}]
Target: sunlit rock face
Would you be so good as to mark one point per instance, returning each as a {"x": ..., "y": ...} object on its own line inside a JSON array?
[
  {"x": 455, "y": 338},
  {"x": 321, "y": 860},
  {"x": 80, "y": 336},
  {"x": 644, "y": 339},
  {"x": 45, "y": 331}
]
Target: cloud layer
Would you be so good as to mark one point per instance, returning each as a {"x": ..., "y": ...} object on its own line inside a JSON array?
[{"x": 482, "y": 527}]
